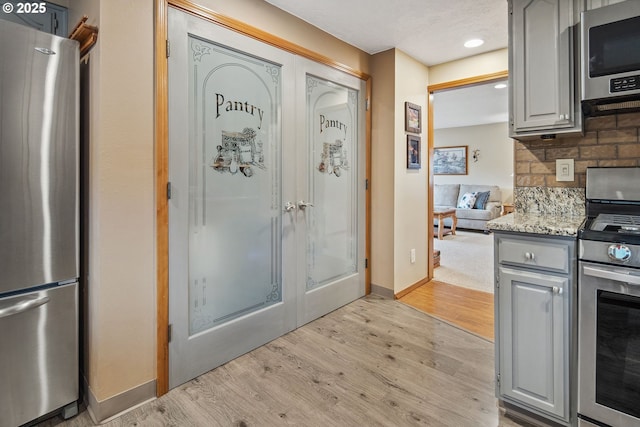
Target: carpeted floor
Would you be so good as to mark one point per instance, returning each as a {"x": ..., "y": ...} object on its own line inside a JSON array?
[{"x": 466, "y": 260}]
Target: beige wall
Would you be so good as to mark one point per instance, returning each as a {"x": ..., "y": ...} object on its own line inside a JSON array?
[
  {"x": 410, "y": 184},
  {"x": 120, "y": 323},
  {"x": 485, "y": 63},
  {"x": 266, "y": 17},
  {"x": 399, "y": 195},
  {"x": 495, "y": 164},
  {"x": 382, "y": 164},
  {"x": 120, "y": 295},
  {"x": 399, "y": 200}
]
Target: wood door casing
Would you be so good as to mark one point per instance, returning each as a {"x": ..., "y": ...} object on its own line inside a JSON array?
[{"x": 161, "y": 154}]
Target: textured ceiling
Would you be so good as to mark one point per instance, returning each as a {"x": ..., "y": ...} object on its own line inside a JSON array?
[
  {"x": 470, "y": 106},
  {"x": 431, "y": 31}
]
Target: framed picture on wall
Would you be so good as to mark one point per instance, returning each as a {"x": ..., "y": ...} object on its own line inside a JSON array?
[
  {"x": 450, "y": 160},
  {"x": 412, "y": 118},
  {"x": 413, "y": 152}
]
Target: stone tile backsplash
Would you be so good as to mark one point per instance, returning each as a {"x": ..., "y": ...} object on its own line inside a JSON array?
[
  {"x": 557, "y": 201},
  {"x": 608, "y": 141},
  {"x": 612, "y": 140}
]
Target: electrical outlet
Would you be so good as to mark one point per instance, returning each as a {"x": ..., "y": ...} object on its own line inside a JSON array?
[
  {"x": 413, "y": 256},
  {"x": 565, "y": 170}
]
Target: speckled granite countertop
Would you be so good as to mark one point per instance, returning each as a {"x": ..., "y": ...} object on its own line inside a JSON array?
[
  {"x": 553, "y": 225},
  {"x": 544, "y": 210}
]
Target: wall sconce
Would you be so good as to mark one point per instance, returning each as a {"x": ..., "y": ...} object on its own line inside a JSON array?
[{"x": 476, "y": 154}]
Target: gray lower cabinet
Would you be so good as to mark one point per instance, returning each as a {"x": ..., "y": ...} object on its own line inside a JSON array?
[
  {"x": 544, "y": 98},
  {"x": 535, "y": 351}
]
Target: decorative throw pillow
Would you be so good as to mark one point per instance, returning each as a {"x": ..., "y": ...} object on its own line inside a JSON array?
[
  {"x": 481, "y": 199},
  {"x": 467, "y": 200}
]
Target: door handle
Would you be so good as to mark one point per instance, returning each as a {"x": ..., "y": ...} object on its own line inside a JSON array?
[
  {"x": 617, "y": 275},
  {"x": 288, "y": 207},
  {"x": 302, "y": 205},
  {"x": 23, "y": 306}
]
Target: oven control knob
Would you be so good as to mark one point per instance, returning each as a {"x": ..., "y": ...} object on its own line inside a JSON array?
[{"x": 619, "y": 252}]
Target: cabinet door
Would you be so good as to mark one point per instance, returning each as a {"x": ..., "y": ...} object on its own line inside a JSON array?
[
  {"x": 594, "y": 4},
  {"x": 52, "y": 20},
  {"x": 533, "y": 340},
  {"x": 541, "y": 64}
]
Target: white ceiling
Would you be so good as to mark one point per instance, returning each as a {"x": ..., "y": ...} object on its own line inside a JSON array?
[
  {"x": 430, "y": 31},
  {"x": 470, "y": 106}
]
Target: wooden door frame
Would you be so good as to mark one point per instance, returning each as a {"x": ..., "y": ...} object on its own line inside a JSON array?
[
  {"x": 453, "y": 84},
  {"x": 161, "y": 8}
]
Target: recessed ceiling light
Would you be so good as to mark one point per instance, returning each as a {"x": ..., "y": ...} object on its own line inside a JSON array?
[
  {"x": 500, "y": 86},
  {"x": 473, "y": 43}
]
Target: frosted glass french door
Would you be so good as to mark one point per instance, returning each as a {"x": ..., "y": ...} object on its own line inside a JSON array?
[
  {"x": 262, "y": 236},
  {"x": 229, "y": 287},
  {"x": 332, "y": 179}
]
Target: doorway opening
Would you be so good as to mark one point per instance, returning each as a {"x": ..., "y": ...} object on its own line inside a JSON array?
[{"x": 470, "y": 154}]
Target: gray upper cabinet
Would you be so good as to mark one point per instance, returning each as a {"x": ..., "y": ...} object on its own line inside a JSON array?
[
  {"x": 52, "y": 20},
  {"x": 543, "y": 82},
  {"x": 594, "y": 4},
  {"x": 535, "y": 288}
]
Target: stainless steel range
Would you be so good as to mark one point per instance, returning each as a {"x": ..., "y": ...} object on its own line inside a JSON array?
[{"x": 609, "y": 300}]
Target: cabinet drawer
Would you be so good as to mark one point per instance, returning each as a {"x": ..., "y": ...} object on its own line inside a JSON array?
[{"x": 534, "y": 254}]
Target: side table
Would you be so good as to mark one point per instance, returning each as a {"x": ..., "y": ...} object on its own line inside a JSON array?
[
  {"x": 507, "y": 208},
  {"x": 441, "y": 215}
]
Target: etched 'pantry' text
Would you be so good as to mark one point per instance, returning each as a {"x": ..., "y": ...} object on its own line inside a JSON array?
[{"x": 223, "y": 105}]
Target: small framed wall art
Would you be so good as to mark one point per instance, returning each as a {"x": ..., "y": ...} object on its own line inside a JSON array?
[
  {"x": 450, "y": 160},
  {"x": 412, "y": 118},
  {"x": 413, "y": 152}
]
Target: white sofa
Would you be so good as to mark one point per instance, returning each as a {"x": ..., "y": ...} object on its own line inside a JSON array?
[{"x": 447, "y": 196}]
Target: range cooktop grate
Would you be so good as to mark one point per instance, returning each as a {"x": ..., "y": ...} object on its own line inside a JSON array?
[{"x": 622, "y": 222}]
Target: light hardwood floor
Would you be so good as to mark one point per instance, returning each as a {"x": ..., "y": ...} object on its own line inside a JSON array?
[
  {"x": 468, "y": 308},
  {"x": 374, "y": 362}
]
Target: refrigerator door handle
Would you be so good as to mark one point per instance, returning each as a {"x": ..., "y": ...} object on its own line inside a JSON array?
[{"x": 22, "y": 306}]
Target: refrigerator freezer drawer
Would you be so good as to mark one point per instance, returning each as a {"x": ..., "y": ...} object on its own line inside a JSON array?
[{"x": 38, "y": 353}]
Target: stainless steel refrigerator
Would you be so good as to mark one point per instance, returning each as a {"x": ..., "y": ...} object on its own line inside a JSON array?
[{"x": 38, "y": 224}]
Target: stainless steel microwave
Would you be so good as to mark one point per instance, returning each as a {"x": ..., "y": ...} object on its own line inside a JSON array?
[{"x": 610, "y": 46}]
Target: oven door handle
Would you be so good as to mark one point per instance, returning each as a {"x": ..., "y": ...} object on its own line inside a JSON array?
[{"x": 612, "y": 275}]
